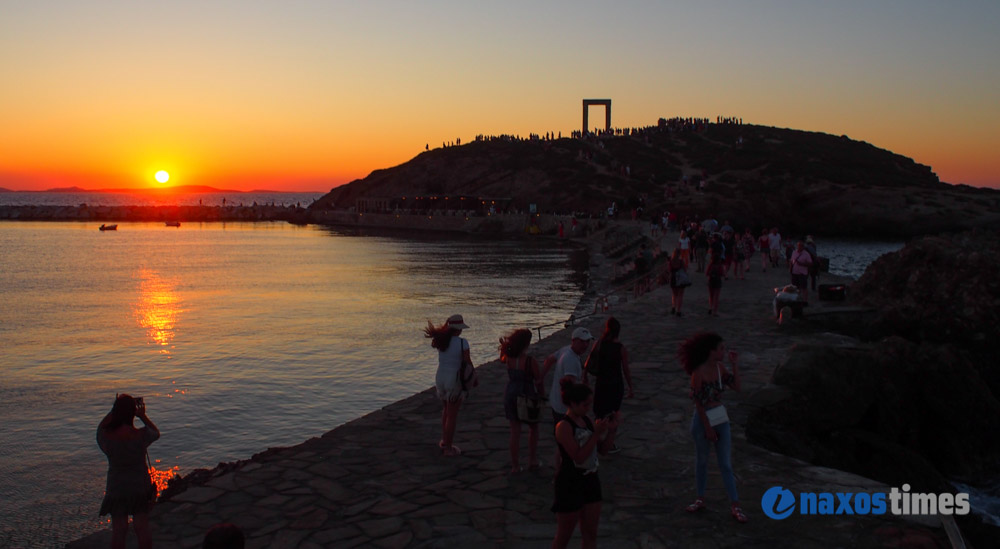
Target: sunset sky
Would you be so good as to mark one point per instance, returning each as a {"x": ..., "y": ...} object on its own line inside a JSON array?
[{"x": 307, "y": 95}]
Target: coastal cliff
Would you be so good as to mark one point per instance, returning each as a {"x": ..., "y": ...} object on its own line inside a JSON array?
[{"x": 753, "y": 175}]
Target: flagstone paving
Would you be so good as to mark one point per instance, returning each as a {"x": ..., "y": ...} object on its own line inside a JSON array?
[{"x": 381, "y": 481}]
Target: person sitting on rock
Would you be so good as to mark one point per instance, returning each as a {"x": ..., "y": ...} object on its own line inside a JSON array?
[{"x": 784, "y": 295}]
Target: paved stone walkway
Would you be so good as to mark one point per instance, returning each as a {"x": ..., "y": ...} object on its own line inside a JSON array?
[{"x": 380, "y": 480}]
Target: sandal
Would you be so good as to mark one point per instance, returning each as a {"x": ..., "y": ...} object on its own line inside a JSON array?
[
  {"x": 738, "y": 514},
  {"x": 453, "y": 451},
  {"x": 516, "y": 470},
  {"x": 698, "y": 505}
]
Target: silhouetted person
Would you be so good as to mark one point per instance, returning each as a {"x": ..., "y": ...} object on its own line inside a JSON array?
[{"x": 129, "y": 490}]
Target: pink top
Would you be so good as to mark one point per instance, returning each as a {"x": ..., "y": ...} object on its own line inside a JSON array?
[{"x": 801, "y": 261}]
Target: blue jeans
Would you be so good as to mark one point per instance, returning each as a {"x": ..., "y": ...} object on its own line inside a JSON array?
[{"x": 722, "y": 451}]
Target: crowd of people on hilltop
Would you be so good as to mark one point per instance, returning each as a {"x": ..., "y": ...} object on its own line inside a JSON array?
[
  {"x": 729, "y": 120},
  {"x": 590, "y": 379}
]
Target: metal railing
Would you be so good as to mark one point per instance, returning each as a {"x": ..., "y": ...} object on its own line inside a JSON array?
[{"x": 637, "y": 287}]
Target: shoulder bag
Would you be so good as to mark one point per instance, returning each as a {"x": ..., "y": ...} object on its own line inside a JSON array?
[
  {"x": 467, "y": 376},
  {"x": 529, "y": 407},
  {"x": 717, "y": 415},
  {"x": 681, "y": 278}
]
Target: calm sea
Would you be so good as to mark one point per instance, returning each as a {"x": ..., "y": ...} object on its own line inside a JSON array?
[{"x": 239, "y": 336}]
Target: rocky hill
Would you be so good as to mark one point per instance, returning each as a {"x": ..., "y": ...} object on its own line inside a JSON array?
[{"x": 756, "y": 175}]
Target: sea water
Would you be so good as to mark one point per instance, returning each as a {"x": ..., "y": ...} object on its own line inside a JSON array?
[{"x": 240, "y": 336}]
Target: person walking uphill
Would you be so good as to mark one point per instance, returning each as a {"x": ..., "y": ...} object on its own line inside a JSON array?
[
  {"x": 608, "y": 363},
  {"x": 702, "y": 355},
  {"x": 524, "y": 379},
  {"x": 455, "y": 374},
  {"x": 679, "y": 281},
  {"x": 577, "y": 486},
  {"x": 129, "y": 489}
]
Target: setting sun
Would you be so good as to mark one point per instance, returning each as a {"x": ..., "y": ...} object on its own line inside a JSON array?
[{"x": 162, "y": 176}]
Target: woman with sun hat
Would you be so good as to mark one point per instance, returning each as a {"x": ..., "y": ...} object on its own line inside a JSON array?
[{"x": 453, "y": 352}]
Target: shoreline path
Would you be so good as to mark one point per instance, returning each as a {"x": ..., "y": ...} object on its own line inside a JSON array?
[{"x": 380, "y": 481}]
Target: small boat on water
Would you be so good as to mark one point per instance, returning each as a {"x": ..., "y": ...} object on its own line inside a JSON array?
[
  {"x": 173, "y": 223},
  {"x": 104, "y": 227}
]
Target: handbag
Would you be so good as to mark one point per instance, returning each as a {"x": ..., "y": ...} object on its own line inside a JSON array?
[
  {"x": 682, "y": 279},
  {"x": 717, "y": 415},
  {"x": 529, "y": 407},
  {"x": 593, "y": 365},
  {"x": 467, "y": 376}
]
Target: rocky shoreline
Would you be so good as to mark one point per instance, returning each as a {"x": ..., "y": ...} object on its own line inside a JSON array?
[{"x": 379, "y": 481}]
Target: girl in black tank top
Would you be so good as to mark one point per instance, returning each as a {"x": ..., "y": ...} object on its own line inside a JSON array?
[{"x": 577, "y": 486}]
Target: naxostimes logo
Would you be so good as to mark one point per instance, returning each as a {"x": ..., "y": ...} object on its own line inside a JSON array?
[{"x": 780, "y": 503}]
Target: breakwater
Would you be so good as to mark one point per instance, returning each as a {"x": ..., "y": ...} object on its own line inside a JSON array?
[
  {"x": 84, "y": 212},
  {"x": 453, "y": 221}
]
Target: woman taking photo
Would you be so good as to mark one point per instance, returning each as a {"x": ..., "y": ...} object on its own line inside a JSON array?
[
  {"x": 523, "y": 379},
  {"x": 453, "y": 351},
  {"x": 129, "y": 490},
  {"x": 702, "y": 357},
  {"x": 577, "y": 486}
]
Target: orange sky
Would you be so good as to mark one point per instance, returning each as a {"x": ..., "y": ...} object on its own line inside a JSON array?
[{"x": 310, "y": 95}]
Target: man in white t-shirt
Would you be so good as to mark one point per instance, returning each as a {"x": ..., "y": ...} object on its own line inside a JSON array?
[
  {"x": 568, "y": 361},
  {"x": 774, "y": 246}
]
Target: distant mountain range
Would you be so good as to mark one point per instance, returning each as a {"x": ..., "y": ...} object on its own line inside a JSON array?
[{"x": 189, "y": 189}]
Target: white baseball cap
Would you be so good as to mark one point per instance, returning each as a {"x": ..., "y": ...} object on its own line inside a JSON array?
[{"x": 582, "y": 333}]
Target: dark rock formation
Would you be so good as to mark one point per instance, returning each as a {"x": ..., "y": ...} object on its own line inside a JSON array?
[
  {"x": 756, "y": 175},
  {"x": 943, "y": 289},
  {"x": 919, "y": 402},
  {"x": 894, "y": 411}
]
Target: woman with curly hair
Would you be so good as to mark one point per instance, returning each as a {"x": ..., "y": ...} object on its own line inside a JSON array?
[
  {"x": 523, "y": 378},
  {"x": 702, "y": 356}
]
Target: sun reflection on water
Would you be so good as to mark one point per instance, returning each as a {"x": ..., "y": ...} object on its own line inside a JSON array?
[{"x": 157, "y": 309}]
